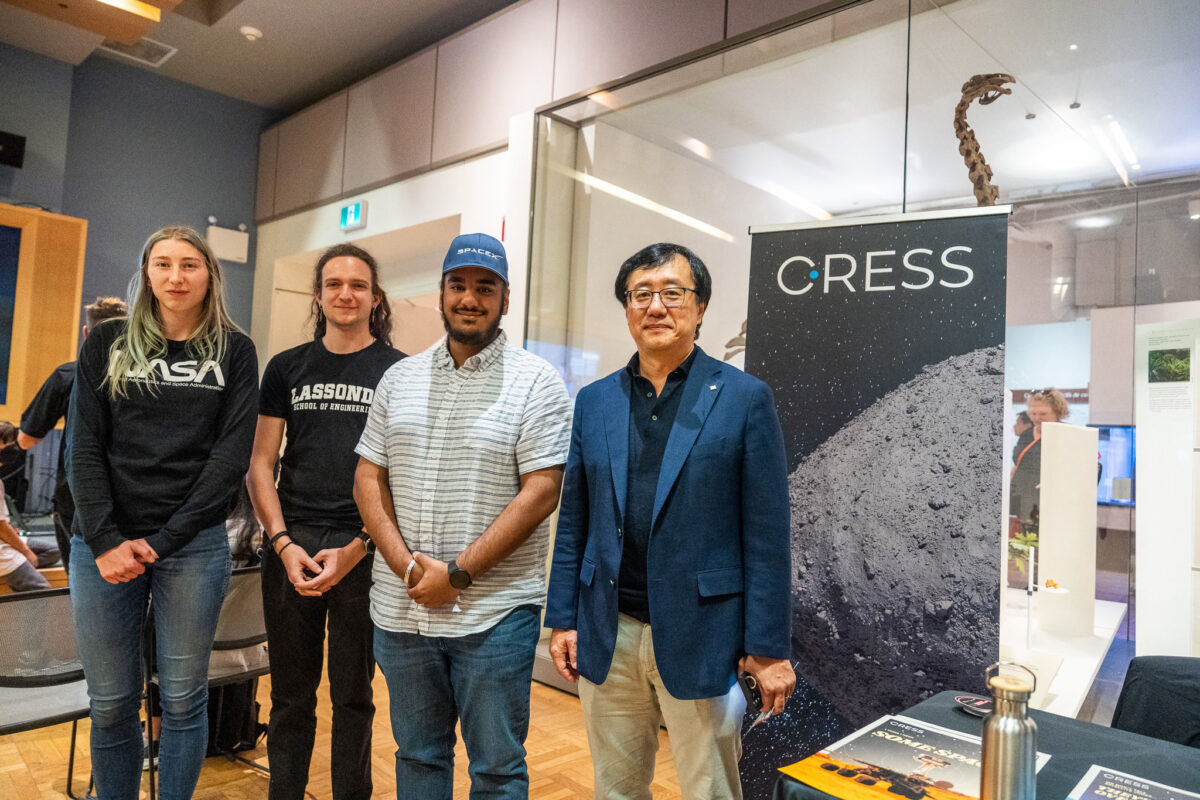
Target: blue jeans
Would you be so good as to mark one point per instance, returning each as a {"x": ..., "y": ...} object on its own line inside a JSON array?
[
  {"x": 188, "y": 587},
  {"x": 483, "y": 679}
]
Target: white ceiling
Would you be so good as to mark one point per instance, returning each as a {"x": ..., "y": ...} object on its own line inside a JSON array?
[{"x": 310, "y": 48}]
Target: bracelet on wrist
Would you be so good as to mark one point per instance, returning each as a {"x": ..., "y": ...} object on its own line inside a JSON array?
[
  {"x": 279, "y": 552},
  {"x": 408, "y": 572}
]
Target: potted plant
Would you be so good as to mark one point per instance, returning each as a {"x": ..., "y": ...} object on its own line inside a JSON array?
[{"x": 1019, "y": 545}]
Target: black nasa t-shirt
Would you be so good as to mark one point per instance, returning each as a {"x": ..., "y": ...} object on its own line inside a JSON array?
[{"x": 324, "y": 398}]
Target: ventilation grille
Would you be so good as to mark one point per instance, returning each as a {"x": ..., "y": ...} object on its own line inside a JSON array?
[{"x": 143, "y": 51}]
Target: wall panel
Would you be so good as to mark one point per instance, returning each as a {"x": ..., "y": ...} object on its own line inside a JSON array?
[
  {"x": 599, "y": 42},
  {"x": 268, "y": 152},
  {"x": 311, "y": 155},
  {"x": 490, "y": 72},
  {"x": 746, "y": 15},
  {"x": 389, "y": 123}
]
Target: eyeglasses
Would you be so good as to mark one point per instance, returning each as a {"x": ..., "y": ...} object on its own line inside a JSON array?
[{"x": 671, "y": 297}]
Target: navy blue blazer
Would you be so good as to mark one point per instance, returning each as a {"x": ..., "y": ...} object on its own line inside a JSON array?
[{"x": 719, "y": 560}]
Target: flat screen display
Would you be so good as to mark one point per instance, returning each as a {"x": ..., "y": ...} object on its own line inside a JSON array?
[{"x": 1117, "y": 473}]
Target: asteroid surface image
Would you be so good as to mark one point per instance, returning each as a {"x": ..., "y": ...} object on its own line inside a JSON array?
[{"x": 895, "y": 551}]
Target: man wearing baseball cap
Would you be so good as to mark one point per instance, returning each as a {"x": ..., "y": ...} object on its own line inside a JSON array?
[{"x": 460, "y": 466}]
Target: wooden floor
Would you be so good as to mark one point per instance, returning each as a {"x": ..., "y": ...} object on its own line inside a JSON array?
[{"x": 33, "y": 765}]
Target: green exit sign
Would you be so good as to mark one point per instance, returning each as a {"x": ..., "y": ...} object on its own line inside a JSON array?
[{"x": 354, "y": 216}]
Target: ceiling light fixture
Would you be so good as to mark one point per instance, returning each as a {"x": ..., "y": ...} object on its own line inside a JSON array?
[
  {"x": 1194, "y": 209},
  {"x": 252, "y": 34},
  {"x": 1073, "y": 47},
  {"x": 143, "y": 10}
]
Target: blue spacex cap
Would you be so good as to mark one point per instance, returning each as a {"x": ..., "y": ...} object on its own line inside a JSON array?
[{"x": 477, "y": 250}]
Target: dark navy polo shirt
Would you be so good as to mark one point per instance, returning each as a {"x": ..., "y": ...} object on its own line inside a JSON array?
[{"x": 650, "y": 421}]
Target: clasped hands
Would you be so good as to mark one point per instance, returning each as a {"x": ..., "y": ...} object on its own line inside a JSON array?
[
  {"x": 429, "y": 582},
  {"x": 124, "y": 562},
  {"x": 312, "y": 576}
]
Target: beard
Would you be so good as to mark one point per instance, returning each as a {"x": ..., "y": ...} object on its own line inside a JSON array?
[{"x": 472, "y": 338}]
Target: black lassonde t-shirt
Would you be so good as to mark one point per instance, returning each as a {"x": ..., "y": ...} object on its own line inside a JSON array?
[
  {"x": 323, "y": 397},
  {"x": 165, "y": 461}
]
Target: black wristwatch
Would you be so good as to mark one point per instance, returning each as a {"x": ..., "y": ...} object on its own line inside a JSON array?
[
  {"x": 365, "y": 538},
  {"x": 459, "y": 578}
]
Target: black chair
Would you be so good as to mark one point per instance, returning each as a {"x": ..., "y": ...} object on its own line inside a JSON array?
[
  {"x": 41, "y": 679},
  {"x": 1161, "y": 698},
  {"x": 239, "y": 645}
]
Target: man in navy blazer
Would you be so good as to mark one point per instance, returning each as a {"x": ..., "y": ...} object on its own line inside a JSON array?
[{"x": 671, "y": 561}]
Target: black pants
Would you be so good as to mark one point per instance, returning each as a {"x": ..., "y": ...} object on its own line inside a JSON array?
[{"x": 295, "y": 637}]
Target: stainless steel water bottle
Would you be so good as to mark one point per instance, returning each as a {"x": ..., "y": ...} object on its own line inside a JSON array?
[{"x": 1009, "y": 736}]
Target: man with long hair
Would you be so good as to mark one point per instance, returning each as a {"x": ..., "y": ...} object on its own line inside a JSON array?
[{"x": 317, "y": 565}]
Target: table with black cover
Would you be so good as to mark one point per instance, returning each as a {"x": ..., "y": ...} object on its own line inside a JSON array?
[{"x": 1073, "y": 747}]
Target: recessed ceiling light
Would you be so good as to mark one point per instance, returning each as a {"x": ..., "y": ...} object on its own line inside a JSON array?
[
  {"x": 1074, "y": 47},
  {"x": 1094, "y": 222},
  {"x": 252, "y": 34}
]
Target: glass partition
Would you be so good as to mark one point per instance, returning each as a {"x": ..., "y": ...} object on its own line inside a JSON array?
[{"x": 1088, "y": 133}]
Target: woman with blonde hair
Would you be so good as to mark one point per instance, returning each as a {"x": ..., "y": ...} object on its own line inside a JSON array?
[
  {"x": 1043, "y": 405},
  {"x": 161, "y": 423}
]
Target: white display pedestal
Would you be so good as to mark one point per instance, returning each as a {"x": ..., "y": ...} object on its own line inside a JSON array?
[
  {"x": 1067, "y": 529},
  {"x": 1168, "y": 452},
  {"x": 1065, "y": 666}
]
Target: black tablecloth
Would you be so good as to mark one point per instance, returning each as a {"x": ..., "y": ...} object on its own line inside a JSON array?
[{"x": 1073, "y": 746}]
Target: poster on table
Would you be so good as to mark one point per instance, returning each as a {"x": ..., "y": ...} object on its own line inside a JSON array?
[
  {"x": 883, "y": 340},
  {"x": 900, "y": 756},
  {"x": 1102, "y": 783}
]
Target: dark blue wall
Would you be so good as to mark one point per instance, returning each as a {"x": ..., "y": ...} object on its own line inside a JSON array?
[
  {"x": 146, "y": 151},
  {"x": 35, "y": 101}
]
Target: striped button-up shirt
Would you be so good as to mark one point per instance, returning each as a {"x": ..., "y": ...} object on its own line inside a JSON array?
[{"x": 455, "y": 443}]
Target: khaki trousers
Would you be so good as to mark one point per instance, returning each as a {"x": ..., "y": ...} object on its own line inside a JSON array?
[{"x": 622, "y": 717}]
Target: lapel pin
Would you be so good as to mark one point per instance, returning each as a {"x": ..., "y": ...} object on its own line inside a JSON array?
[{"x": 714, "y": 386}]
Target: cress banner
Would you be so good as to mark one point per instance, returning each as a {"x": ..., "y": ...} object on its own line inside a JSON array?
[{"x": 883, "y": 340}]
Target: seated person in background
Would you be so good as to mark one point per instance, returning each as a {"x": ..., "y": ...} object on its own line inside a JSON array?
[
  {"x": 20, "y": 558},
  {"x": 49, "y": 405}
]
